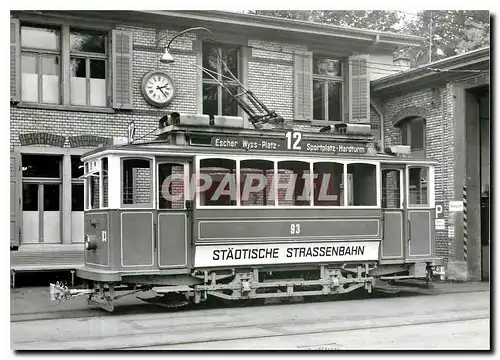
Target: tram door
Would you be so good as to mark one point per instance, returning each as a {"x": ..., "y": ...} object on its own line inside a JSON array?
[
  {"x": 173, "y": 229},
  {"x": 421, "y": 212},
  {"x": 393, "y": 244}
]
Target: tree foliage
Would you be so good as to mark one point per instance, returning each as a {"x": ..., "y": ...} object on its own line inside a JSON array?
[{"x": 452, "y": 31}]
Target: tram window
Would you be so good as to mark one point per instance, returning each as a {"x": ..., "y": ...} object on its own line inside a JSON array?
[
  {"x": 93, "y": 180},
  {"x": 136, "y": 182},
  {"x": 328, "y": 178},
  {"x": 217, "y": 182},
  {"x": 104, "y": 162},
  {"x": 170, "y": 186},
  {"x": 418, "y": 179},
  {"x": 364, "y": 185},
  {"x": 294, "y": 183},
  {"x": 256, "y": 183},
  {"x": 391, "y": 189}
]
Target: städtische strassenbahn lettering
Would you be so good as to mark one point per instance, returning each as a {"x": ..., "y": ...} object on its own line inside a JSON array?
[
  {"x": 286, "y": 253},
  {"x": 274, "y": 253}
]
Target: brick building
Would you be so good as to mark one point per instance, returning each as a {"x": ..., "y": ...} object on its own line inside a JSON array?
[
  {"x": 77, "y": 83},
  {"x": 442, "y": 110}
]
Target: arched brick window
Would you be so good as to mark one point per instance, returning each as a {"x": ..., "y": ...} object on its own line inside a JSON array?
[{"x": 412, "y": 133}]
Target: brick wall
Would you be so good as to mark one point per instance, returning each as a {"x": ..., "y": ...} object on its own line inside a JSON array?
[
  {"x": 439, "y": 141},
  {"x": 271, "y": 75},
  {"x": 145, "y": 116},
  {"x": 142, "y": 186}
]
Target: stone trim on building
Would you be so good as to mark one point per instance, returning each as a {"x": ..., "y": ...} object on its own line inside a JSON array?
[
  {"x": 41, "y": 138},
  {"x": 409, "y": 112},
  {"x": 89, "y": 141}
]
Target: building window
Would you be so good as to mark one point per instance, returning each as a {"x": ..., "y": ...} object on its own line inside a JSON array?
[
  {"x": 413, "y": 134},
  {"x": 327, "y": 89},
  {"x": 42, "y": 65},
  {"x": 77, "y": 190},
  {"x": 88, "y": 54},
  {"x": 217, "y": 101}
]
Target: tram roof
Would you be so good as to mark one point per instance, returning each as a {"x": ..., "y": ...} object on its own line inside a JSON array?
[{"x": 191, "y": 151}]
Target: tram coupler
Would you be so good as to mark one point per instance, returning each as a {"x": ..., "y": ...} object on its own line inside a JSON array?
[{"x": 59, "y": 291}]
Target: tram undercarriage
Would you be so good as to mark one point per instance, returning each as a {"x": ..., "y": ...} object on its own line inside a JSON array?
[{"x": 247, "y": 284}]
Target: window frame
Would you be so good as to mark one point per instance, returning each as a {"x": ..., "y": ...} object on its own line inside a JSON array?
[
  {"x": 80, "y": 180},
  {"x": 89, "y": 56},
  {"x": 405, "y": 126},
  {"x": 65, "y": 153},
  {"x": 65, "y": 55},
  {"x": 378, "y": 184},
  {"x": 86, "y": 189},
  {"x": 41, "y": 182},
  {"x": 431, "y": 191},
  {"x": 158, "y": 186},
  {"x": 38, "y": 54},
  {"x": 210, "y": 81},
  {"x": 276, "y": 160},
  {"x": 342, "y": 80},
  {"x": 152, "y": 205}
]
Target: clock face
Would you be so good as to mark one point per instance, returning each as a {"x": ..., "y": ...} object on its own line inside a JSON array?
[{"x": 158, "y": 88}]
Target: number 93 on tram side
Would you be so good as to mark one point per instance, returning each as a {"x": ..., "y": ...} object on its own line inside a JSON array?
[{"x": 240, "y": 213}]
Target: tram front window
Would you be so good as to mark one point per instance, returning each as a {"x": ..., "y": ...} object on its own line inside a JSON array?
[
  {"x": 136, "y": 182},
  {"x": 170, "y": 186},
  {"x": 96, "y": 182}
]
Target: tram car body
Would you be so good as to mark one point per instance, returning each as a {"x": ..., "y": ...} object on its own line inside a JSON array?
[{"x": 172, "y": 214}]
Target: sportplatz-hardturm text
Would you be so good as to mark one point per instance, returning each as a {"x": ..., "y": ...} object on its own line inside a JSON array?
[{"x": 326, "y": 187}]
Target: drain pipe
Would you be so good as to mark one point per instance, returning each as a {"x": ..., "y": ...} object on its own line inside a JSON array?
[{"x": 379, "y": 113}]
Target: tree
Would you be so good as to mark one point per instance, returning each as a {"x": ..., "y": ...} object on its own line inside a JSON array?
[{"x": 452, "y": 31}]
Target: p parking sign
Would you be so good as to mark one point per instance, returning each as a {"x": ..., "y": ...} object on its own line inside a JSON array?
[{"x": 440, "y": 221}]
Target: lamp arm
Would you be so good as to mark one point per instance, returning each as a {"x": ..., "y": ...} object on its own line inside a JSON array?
[{"x": 182, "y": 33}]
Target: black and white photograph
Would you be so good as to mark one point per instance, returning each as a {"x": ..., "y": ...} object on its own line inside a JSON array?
[{"x": 222, "y": 179}]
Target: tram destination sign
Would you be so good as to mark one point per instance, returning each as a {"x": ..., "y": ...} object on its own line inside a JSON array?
[{"x": 293, "y": 141}]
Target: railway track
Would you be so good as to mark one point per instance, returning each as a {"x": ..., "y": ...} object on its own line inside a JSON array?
[{"x": 212, "y": 303}]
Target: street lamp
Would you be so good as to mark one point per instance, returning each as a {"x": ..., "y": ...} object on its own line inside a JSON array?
[{"x": 167, "y": 58}]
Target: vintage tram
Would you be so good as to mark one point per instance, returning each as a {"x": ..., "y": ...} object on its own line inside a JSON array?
[{"x": 212, "y": 208}]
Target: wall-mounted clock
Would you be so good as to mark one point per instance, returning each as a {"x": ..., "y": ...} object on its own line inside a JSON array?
[{"x": 158, "y": 88}]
